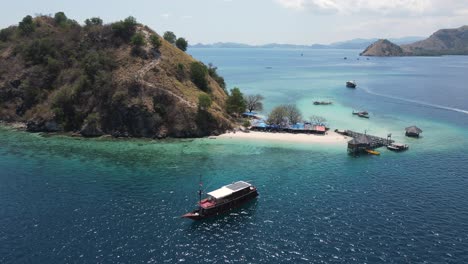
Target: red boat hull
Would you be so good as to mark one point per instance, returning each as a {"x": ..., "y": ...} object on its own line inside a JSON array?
[{"x": 202, "y": 213}]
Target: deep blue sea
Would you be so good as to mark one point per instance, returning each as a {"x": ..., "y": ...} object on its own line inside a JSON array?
[{"x": 74, "y": 200}]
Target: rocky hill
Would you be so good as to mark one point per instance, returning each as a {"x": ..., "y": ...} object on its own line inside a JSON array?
[
  {"x": 121, "y": 79},
  {"x": 442, "y": 42},
  {"x": 383, "y": 48}
]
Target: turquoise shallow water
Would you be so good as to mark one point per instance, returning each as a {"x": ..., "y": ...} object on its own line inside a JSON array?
[{"x": 119, "y": 201}]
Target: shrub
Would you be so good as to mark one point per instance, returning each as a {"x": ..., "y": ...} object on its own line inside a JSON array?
[
  {"x": 204, "y": 101},
  {"x": 198, "y": 74},
  {"x": 235, "y": 103},
  {"x": 138, "y": 39},
  {"x": 246, "y": 123},
  {"x": 26, "y": 26},
  {"x": 155, "y": 41},
  {"x": 214, "y": 74},
  {"x": 170, "y": 37},
  {"x": 6, "y": 33},
  {"x": 126, "y": 28},
  {"x": 94, "y": 21},
  {"x": 60, "y": 18},
  {"x": 182, "y": 44},
  {"x": 38, "y": 51}
]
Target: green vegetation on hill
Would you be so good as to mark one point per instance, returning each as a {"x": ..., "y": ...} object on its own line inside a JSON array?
[{"x": 120, "y": 78}]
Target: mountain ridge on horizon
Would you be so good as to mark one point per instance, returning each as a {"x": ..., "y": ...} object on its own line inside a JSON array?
[{"x": 357, "y": 43}]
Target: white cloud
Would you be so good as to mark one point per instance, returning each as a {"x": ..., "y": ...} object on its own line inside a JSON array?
[
  {"x": 415, "y": 7},
  {"x": 166, "y": 15}
]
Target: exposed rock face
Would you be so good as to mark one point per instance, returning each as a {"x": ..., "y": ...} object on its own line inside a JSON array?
[
  {"x": 383, "y": 48},
  {"x": 92, "y": 80},
  {"x": 442, "y": 42}
]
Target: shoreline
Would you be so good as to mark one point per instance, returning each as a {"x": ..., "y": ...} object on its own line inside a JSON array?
[{"x": 330, "y": 137}]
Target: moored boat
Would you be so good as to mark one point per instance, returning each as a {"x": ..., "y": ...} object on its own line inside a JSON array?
[
  {"x": 397, "y": 147},
  {"x": 351, "y": 84},
  {"x": 363, "y": 114},
  {"x": 223, "y": 199},
  {"x": 322, "y": 103},
  {"x": 373, "y": 152}
]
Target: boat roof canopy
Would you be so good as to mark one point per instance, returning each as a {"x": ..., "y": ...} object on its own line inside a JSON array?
[
  {"x": 229, "y": 189},
  {"x": 220, "y": 193}
]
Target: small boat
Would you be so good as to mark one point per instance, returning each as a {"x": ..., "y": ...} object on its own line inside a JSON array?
[
  {"x": 363, "y": 114},
  {"x": 323, "y": 103},
  {"x": 397, "y": 147},
  {"x": 351, "y": 84},
  {"x": 373, "y": 152},
  {"x": 223, "y": 199}
]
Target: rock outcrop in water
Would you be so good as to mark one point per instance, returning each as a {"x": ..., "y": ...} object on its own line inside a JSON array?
[
  {"x": 56, "y": 75},
  {"x": 383, "y": 48},
  {"x": 442, "y": 42}
]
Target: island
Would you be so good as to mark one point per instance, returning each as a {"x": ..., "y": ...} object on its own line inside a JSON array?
[
  {"x": 120, "y": 79},
  {"x": 443, "y": 42}
]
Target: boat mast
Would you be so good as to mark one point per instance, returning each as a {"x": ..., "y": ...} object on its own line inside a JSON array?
[{"x": 200, "y": 191}]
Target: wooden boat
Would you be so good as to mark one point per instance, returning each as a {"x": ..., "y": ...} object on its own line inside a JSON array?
[
  {"x": 323, "y": 103},
  {"x": 223, "y": 199},
  {"x": 373, "y": 152},
  {"x": 351, "y": 84},
  {"x": 397, "y": 147},
  {"x": 363, "y": 114}
]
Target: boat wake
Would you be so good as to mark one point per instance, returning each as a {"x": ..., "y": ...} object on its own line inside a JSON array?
[{"x": 420, "y": 103}]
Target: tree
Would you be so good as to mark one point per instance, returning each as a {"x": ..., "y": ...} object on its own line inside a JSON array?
[
  {"x": 182, "y": 44},
  {"x": 170, "y": 37},
  {"x": 27, "y": 26},
  {"x": 204, "y": 101},
  {"x": 235, "y": 104},
  {"x": 138, "y": 39},
  {"x": 155, "y": 41},
  {"x": 94, "y": 21},
  {"x": 284, "y": 115},
  {"x": 254, "y": 102},
  {"x": 278, "y": 116},
  {"x": 214, "y": 74},
  {"x": 293, "y": 114},
  {"x": 60, "y": 18},
  {"x": 317, "y": 119},
  {"x": 198, "y": 73}
]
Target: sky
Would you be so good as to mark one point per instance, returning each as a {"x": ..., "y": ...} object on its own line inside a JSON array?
[{"x": 262, "y": 21}]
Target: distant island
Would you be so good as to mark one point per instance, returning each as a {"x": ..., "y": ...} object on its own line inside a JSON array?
[
  {"x": 349, "y": 44},
  {"x": 120, "y": 79},
  {"x": 443, "y": 42}
]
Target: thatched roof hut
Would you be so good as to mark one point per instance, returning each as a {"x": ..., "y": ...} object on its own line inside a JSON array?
[
  {"x": 360, "y": 140},
  {"x": 413, "y": 131}
]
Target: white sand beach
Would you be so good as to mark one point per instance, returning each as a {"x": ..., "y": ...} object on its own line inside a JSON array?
[{"x": 330, "y": 138}]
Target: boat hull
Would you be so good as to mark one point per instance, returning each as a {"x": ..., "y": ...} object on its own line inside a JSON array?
[{"x": 201, "y": 213}]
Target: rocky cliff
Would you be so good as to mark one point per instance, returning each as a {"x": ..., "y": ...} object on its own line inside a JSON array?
[{"x": 120, "y": 79}]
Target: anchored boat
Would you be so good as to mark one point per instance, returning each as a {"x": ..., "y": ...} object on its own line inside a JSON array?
[
  {"x": 223, "y": 199},
  {"x": 397, "y": 147},
  {"x": 351, "y": 84}
]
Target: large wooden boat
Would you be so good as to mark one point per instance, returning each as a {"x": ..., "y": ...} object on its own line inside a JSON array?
[{"x": 223, "y": 199}]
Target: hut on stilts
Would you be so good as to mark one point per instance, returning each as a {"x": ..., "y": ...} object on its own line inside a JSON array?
[{"x": 413, "y": 131}]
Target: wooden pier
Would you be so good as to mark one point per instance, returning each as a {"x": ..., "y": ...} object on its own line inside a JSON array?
[{"x": 374, "y": 141}]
